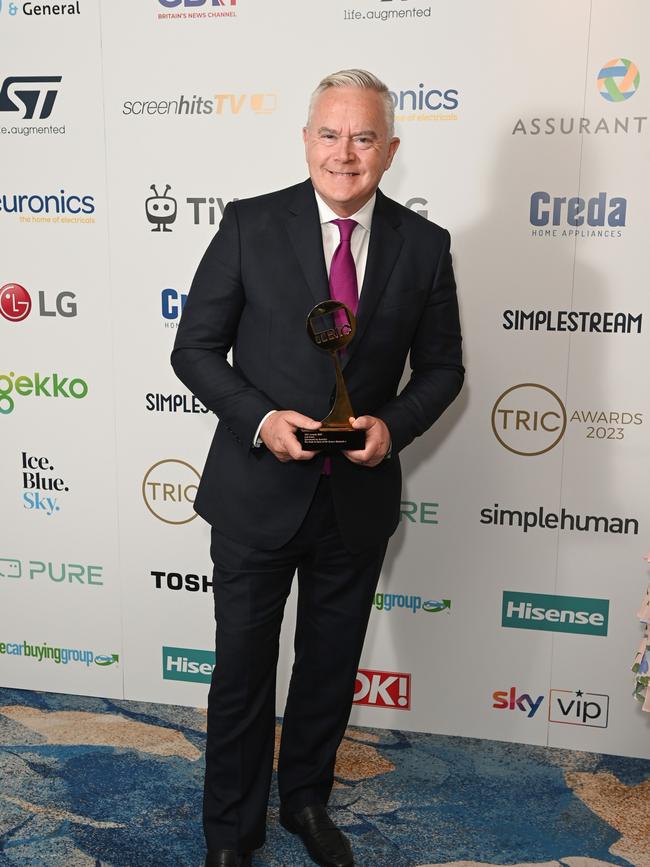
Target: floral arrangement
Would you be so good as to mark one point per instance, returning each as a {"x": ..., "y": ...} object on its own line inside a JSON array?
[{"x": 641, "y": 666}]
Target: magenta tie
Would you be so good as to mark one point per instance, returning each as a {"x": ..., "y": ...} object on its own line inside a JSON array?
[{"x": 343, "y": 286}]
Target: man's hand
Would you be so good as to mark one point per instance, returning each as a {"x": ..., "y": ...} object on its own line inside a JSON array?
[
  {"x": 278, "y": 435},
  {"x": 377, "y": 441}
]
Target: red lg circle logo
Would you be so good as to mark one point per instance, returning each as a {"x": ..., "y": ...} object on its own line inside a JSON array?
[{"x": 15, "y": 303}]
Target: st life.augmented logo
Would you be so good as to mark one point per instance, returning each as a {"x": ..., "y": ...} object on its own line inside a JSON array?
[
  {"x": 383, "y": 689},
  {"x": 16, "y": 303},
  {"x": 579, "y": 708},
  {"x": 168, "y": 490},
  {"x": 28, "y": 97},
  {"x": 43, "y": 490},
  {"x": 617, "y": 81},
  {"x": 389, "y": 11},
  {"x": 48, "y": 571}
]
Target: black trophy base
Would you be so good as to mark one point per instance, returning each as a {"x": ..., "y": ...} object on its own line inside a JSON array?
[{"x": 331, "y": 440}]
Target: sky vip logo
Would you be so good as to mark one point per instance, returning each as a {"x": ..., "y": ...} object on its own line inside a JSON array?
[
  {"x": 582, "y": 321},
  {"x": 36, "y": 385},
  {"x": 392, "y": 601},
  {"x": 578, "y": 708},
  {"x": 178, "y": 403},
  {"x": 29, "y": 95},
  {"x": 40, "y": 487},
  {"x": 16, "y": 303},
  {"x": 70, "y": 574},
  {"x": 188, "y": 664},
  {"x": 383, "y": 689},
  {"x": 419, "y": 512},
  {"x": 509, "y": 700},
  {"x": 191, "y": 582},
  {"x": 550, "y": 613},
  {"x": 530, "y": 419},
  {"x": 601, "y": 216},
  {"x": 168, "y": 490}
]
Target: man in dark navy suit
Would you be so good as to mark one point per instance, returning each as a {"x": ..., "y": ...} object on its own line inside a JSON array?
[{"x": 276, "y": 509}]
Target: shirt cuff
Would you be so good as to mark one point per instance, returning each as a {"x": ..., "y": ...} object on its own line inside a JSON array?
[{"x": 257, "y": 441}]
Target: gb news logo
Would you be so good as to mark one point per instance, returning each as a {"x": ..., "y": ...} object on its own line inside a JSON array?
[
  {"x": 16, "y": 303},
  {"x": 53, "y": 385},
  {"x": 530, "y": 419},
  {"x": 27, "y": 99},
  {"x": 196, "y": 10},
  {"x": 42, "y": 489}
]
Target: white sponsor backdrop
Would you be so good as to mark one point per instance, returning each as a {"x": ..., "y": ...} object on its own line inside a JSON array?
[{"x": 206, "y": 101}]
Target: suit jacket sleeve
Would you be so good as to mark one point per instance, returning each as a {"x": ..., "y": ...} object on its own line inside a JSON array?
[
  {"x": 208, "y": 330},
  {"x": 435, "y": 359}
]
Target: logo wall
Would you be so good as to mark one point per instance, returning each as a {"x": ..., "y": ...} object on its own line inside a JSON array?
[{"x": 168, "y": 490}]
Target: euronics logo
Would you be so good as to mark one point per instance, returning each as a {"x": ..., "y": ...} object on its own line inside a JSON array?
[
  {"x": 187, "y": 663},
  {"x": 555, "y": 613}
]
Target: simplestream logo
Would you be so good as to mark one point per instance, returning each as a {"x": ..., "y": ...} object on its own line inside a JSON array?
[
  {"x": 575, "y": 614},
  {"x": 59, "y": 655},
  {"x": 38, "y": 385},
  {"x": 188, "y": 664},
  {"x": 391, "y": 601}
]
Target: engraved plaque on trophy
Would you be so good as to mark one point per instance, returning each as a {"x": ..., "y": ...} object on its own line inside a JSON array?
[{"x": 331, "y": 326}]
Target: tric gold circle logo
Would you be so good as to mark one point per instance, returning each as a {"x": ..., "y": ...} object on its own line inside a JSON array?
[
  {"x": 169, "y": 488},
  {"x": 529, "y": 419}
]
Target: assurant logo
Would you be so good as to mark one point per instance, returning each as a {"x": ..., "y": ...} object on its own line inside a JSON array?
[{"x": 618, "y": 80}]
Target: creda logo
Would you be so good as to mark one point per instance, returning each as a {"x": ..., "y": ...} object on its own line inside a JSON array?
[
  {"x": 598, "y": 216},
  {"x": 550, "y": 613},
  {"x": 38, "y": 385}
]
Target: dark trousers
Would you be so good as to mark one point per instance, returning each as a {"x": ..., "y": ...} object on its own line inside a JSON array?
[{"x": 250, "y": 589}]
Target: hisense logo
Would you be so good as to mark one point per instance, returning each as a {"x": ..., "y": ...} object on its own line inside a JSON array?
[
  {"x": 187, "y": 663},
  {"x": 555, "y": 613}
]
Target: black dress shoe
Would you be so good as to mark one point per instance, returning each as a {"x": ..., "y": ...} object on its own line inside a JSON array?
[
  {"x": 328, "y": 846},
  {"x": 227, "y": 858}
]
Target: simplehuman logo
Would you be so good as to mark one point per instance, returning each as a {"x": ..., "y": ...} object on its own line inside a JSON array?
[
  {"x": 575, "y": 614},
  {"x": 188, "y": 664}
]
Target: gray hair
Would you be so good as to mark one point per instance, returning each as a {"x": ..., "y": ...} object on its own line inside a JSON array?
[{"x": 357, "y": 78}]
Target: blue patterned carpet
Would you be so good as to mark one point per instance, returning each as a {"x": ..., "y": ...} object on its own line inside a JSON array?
[{"x": 88, "y": 782}]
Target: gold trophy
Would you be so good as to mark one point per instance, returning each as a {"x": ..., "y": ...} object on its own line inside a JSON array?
[{"x": 331, "y": 326}]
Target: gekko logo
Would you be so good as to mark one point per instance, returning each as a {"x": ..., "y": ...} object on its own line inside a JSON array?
[
  {"x": 192, "y": 581},
  {"x": 169, "y": 488},
  {"x": 582, "y": 321},
  {"x": 29, "y": 95},
  {"x": 37, "y": 385},
  {"x": 417, "y": 512},
  {"x": 550, "y": 613},
  {"x": 618, "y": 80},
  {"x": 42, "y": 490},
  {"x": 425, "y": 103},
  {"x": 58, "y": 655},
  {"x": 48, "y": 208},
  {"x": 578, "y": 708},
  {"x": 410, "y": 602},
  {"x": 383, "y": 689},
  {"x": 509, "y": 700},
  {"x": 530, "y": 419},
  {"x": 16, "y": 303},
  {"x": 600, "y": 216},
  {"x": 196, "y": 10},
  {"x": 155, "y": 401},
  {"x": 64, "y": 574},
  {"x": 188, "y": 664}
]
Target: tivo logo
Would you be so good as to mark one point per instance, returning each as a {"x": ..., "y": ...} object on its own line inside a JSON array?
[
  {"x": 578, "y": 708},
  {"x": 186, "y": 663},
  {"x": 555, "y": 613},
  {"x": 33, "y": 95}
]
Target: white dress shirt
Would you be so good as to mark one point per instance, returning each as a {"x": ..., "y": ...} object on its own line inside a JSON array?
[{"x": 359, "y": 242}]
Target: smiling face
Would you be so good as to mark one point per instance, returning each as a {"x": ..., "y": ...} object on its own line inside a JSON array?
[{"x": 348, "y": 147}]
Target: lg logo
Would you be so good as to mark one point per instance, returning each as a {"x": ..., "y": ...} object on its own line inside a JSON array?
[{"x": 16, "y": 303}]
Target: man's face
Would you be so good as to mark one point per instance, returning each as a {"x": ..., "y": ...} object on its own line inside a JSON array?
[{"x": 347, "y": 147}]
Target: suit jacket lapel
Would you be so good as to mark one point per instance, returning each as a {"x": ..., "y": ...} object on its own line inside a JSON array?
[
  {"x": 384, "y": 248},
  {"x": 306, "y": 237}
]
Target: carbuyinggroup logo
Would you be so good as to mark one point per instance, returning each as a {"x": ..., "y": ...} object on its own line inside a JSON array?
[
  {"x": 618, "y": 80},
  {"x": 35, "y": 384},
  {"x": 196, "y": 10},
  {"x": 58, "y": 655},
  {"x": 68, "y": 574},
  {"x": 551, "y": 613},
  {"x": 168, "y": 490},
  {"x": 530, "y": 419},
  {"x": 410, "y": 602},
  {"x": 16, "y": 303}
]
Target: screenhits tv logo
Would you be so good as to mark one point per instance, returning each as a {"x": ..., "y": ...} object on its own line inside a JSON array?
[
  {"x": 383, "y": 689},
  {"x": 16, "y": 303}
]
